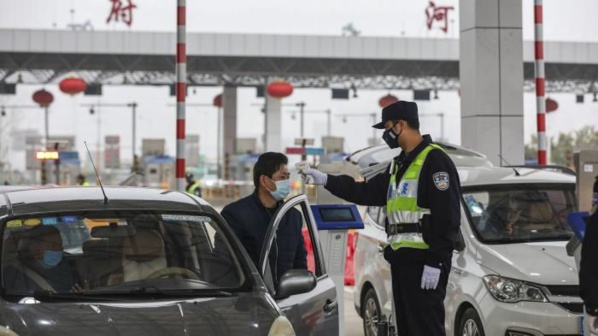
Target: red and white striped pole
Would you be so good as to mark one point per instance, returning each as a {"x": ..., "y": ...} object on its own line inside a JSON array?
[
  {"x": 181, "y": 90},
  {"x": 540, "y": 81}
]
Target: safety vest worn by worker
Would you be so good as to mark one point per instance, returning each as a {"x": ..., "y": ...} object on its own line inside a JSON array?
[
  {"x": 85, "y": 184},
  {"x": 401, "y": 205},
  {"x": 192, "y": 188}
]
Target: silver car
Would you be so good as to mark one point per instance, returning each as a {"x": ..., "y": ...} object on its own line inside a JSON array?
[{"x": 147, "y": 262}]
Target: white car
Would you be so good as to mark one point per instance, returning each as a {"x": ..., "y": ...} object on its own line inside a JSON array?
[{"x": 511, "y": 276}]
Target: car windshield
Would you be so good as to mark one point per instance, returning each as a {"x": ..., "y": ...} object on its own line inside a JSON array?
[
  {"x": 117, "y": 253},
  {"x": 520, "y": 213}
]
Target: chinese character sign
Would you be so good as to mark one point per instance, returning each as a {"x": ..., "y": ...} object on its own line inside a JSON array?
[
  {"x": 438, "y": 13},
  {"x": 120, "y": 11}
]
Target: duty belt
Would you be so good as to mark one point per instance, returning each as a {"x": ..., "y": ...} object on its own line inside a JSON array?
[{"x": 394, "y": 229}]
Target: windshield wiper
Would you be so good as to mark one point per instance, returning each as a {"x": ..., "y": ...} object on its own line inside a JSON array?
[
  {"x": 51, "y": 296},
  {"x": 153, "y": 290}
]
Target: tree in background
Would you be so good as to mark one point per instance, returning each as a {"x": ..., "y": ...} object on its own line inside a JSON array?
[{"x": 563, "y": 146}]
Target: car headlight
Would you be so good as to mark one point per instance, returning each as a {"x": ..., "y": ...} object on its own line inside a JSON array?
[
  {"x": 281, "y": 327},
  {"x": 512, "y": 291}
]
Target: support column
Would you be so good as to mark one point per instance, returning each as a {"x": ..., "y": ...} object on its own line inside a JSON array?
[
  {"x": 491, "y": 76},
  {"x": 273, "y": 115},
  {"x": 229, "y": 117}
]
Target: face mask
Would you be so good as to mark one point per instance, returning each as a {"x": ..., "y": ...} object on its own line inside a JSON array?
[
  {"x": 391, "y": 138},
  {"x": 51, "y": 258},
  {"x": 283, "y": 188}
]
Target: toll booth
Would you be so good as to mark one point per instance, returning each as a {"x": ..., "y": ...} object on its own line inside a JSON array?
[{"x": 159, "y": 171}]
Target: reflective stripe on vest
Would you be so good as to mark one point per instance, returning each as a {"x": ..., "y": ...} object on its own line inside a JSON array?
[{"x": 401, "y": 204}]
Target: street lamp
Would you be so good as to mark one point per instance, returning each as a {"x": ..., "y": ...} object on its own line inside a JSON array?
[
  {"x": 373, "y": 115},
  {"x": 302, "y": 111},
  {"x": 132, "y": 105}
]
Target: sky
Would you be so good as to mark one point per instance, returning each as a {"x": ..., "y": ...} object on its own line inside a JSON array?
[{"x": 572, "y": 20}]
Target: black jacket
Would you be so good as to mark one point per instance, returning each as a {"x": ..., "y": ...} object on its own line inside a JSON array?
[
  {"x": 249, "y": 219},
  {"x": 441, "y": 229},
  {"x": 588, "y": 271}
]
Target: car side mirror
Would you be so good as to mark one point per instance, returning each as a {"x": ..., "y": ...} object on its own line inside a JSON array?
[{"x": 296, "y": 281}]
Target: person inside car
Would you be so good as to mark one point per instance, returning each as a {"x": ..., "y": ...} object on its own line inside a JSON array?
[
  {"x": 142, "y": 255},
  {"x": 40, "y": 265},
  {"x": 501, "y": 218}
]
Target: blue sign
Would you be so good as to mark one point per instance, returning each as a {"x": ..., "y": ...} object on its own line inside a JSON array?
[
  {"x": 68, "y": 156},
  {"x": 314, "y": 151}
]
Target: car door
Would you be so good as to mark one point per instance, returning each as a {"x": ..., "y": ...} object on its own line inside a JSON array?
[{"x": 314, "y": 312}]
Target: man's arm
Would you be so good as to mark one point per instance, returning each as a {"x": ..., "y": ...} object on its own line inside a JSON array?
[
  {"x": 374, "y": 192},
  {"x": 441, "y": 183}
]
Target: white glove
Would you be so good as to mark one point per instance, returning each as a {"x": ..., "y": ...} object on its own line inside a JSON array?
[
  {"x": 317, "y": 176},
  {"x": 592, "y": 322},
  {"x": 430, "y": 277}
]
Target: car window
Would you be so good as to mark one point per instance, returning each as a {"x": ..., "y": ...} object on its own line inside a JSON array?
[
  {"x": 382, "y": 218},
  {"x": 294, "y": 247},
  {"x": 102, "y": 252},
  {"x": 516, "y": 213},
  {"x": 373, "y": 211}
]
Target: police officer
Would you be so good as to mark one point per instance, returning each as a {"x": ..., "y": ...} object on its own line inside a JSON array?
[
  {"x": 420, "y": 190},
  {"x": 588, "y": 272},
  {"x": 193, "y": 187}
]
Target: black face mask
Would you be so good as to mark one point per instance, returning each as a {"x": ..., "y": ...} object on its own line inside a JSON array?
[{"x": 390, "y": 137}]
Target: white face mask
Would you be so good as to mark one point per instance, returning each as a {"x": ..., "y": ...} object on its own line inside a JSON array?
[{"x": 134, "y": 270}]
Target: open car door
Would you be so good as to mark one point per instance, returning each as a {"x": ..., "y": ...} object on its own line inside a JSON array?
[{"x": 308, "y": 298}]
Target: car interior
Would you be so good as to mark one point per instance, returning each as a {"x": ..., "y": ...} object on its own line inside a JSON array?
[{"x": 117, "y": 251}]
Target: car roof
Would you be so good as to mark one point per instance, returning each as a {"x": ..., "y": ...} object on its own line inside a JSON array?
[
  {"x": 461, "y": 156},
  {"x": 43, "y": 200},
  {"x": 483, "y": 176}
]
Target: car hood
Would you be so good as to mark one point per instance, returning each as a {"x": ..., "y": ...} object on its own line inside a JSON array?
[
  {"x": 545, "y": 263},
  {"x": 241, "y": 315}
]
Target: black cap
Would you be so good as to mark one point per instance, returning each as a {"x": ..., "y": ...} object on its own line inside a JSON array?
[{"x": 401, "y": 110}]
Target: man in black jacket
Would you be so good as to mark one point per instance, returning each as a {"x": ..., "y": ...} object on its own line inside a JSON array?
[
  {"x": 250, "y": 217},
  {"x": 588, "y": 273},
  {"x": 421, "y": 190}
]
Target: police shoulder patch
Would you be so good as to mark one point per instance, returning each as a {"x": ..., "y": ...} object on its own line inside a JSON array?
[{"x": 441, "y": 181}]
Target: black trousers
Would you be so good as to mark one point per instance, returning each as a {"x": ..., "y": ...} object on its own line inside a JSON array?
[{"x": 419, "y": 312}]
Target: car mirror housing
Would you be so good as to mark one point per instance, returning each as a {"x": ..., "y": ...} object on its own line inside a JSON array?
[{"x": 296, "y": 281}]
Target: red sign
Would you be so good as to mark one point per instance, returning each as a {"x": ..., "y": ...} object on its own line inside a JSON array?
[
  {"x": 295, "y": 150},
  {"x": 119, "y": 11},
  {"x": 437, "y": 13}
]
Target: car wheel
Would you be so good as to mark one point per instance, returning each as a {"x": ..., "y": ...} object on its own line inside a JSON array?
[
  {"x": 470, "y": 324},
  {"x": 370, "y": 310}
]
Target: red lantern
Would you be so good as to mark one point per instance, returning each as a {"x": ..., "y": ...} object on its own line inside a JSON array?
[
  {"x": 43, "y": 98},
  {"x": 280, "y": 89},
  {"x": 387, "y": 100},
  {"x": 551, "y": 105},
  {"x": 218, "y": 100},
  {"x": 72, "y": 85}
]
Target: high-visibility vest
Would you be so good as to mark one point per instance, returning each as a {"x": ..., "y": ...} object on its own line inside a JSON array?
[
  {"x": 85, "y": 184},
  {"x": 192, "y": 188},
  {"x": 401, "y": 204}
]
